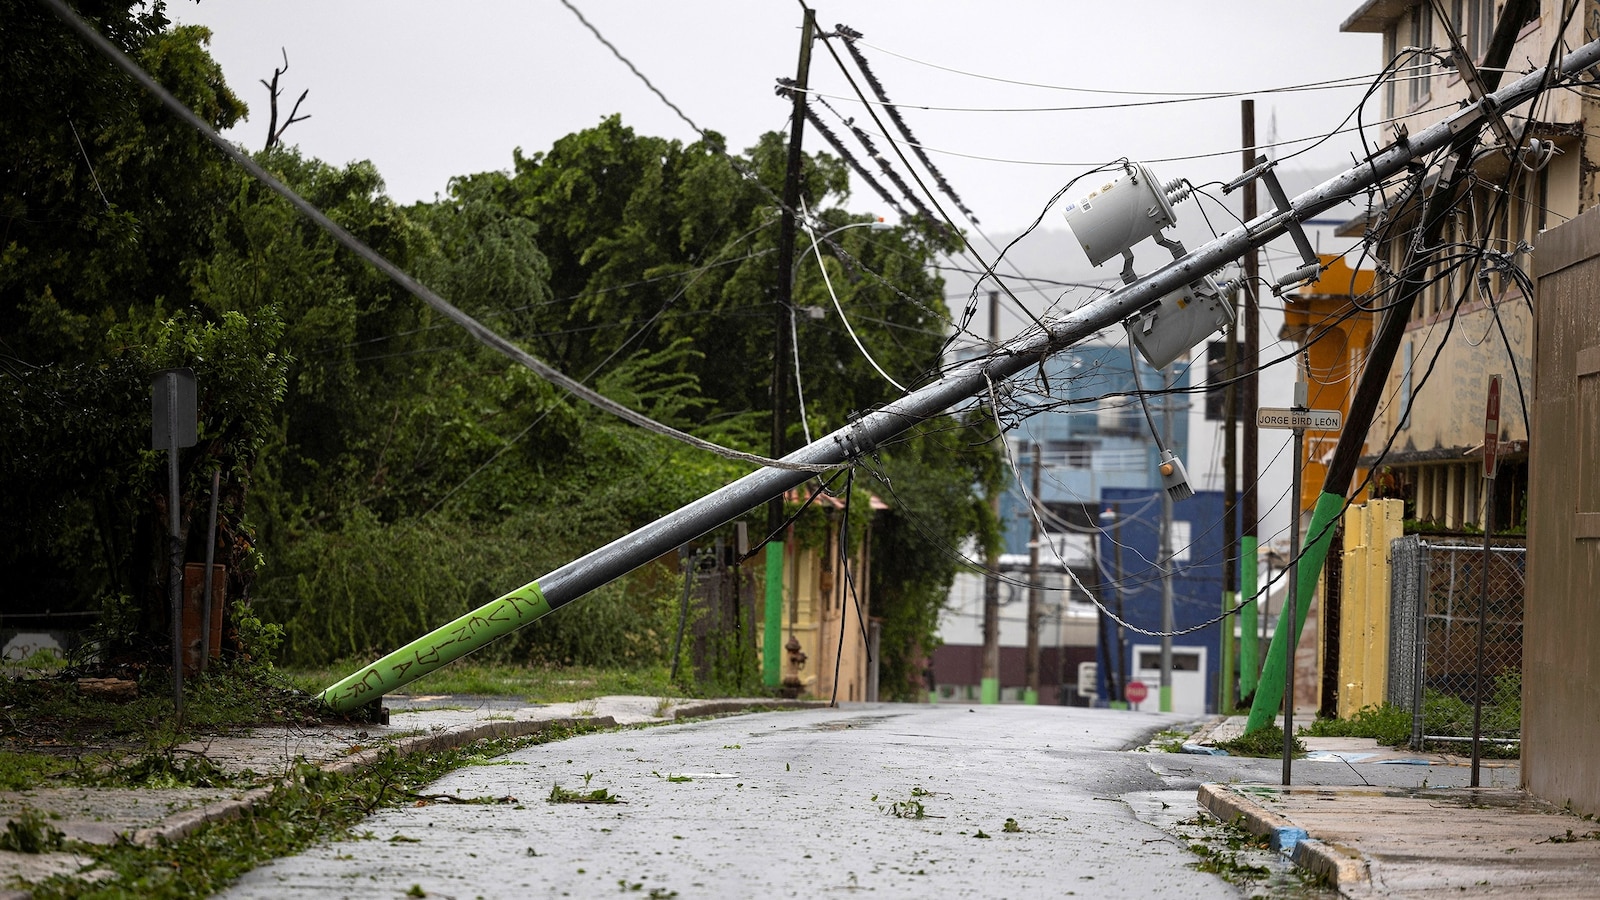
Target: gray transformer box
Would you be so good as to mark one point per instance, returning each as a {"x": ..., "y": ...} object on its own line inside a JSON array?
[{"x": 1119, "y": 213}]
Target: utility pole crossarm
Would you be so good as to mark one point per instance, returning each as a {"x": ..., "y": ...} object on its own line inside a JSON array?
[{"x": 532, "y": 601}]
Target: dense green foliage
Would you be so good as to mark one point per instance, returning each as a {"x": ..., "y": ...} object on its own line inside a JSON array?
[{"x": 382, "y": 472}]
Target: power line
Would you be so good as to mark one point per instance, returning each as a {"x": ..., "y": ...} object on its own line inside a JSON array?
[{"x": 399, "y": 276}]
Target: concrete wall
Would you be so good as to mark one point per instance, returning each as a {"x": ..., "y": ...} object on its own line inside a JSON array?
[{"x": 1561, "y": 624}]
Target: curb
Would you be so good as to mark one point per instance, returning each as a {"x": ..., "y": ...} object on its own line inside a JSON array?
[
  {"x": 1342, "y": 867},
  {"x": 1338, "y": 865},
  {"x": 183, "y": 824},
  {"x": 1230, "y": 806},
  {"x": 707, "y": 708}
]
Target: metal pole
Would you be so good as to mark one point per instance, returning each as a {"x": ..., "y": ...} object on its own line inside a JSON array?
[
  {"x": 174, "y": 547},
  {"x": 686, "y": 559},
  {"x": 1483, "y": 624},
  {"x": 969, "y": 379},
  {"x": 1121, "y": 682},
  {"x": 1292, "y": 608},
  {"x": 1167, "y": 622},
  {"x": 989, "y": 674},
  {"x": 1030, "y": 659},
  {"x": 211, "y": 556}
]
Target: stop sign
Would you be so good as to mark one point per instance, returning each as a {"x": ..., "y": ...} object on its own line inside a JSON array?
[{"x": 1135, "y": 692}]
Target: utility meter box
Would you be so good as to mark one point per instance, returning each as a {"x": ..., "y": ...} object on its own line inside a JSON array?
[
  {"x": 1177, "y": 322},
  {"x": 1119, "y": 213}
]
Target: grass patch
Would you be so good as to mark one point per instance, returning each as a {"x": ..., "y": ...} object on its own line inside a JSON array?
[
  {"x": 537, "y": 684},
  {"x": 1168, "y": 740},
  {"x": 1443, "y": 715},
  {"x": 51, "y": 732},
  {"x": 311, "y": 806},
  {"x": 31, "y": 832},
  {"x": 1265, "y": 742}
]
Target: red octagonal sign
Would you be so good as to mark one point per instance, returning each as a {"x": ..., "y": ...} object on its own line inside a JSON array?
[{"x": 1135, "y": 692}]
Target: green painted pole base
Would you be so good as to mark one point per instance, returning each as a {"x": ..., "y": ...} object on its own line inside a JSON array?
[
  {"x": 1249, "y": 618},
  {"x": 1164, "y": 693},
  {"x": 1225, "y": 683},
  {"x": 1030, "y": 697},
  {"x": 989, "y": 691},
  {"x": 772, "y": 622},
  {"x": 1319, "y": 536},
  {"x": 500, "y": 616}
]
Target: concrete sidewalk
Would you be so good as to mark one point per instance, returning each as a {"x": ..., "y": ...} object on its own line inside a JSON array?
[
  {"x": 261, "y": 758},
  {"x": 1417, "y": 841}
]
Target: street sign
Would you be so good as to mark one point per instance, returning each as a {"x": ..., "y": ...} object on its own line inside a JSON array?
[
  {"x": 1491, "y": 427},
  {"x": 1299, "y": 419},
  {"x": 1135, "y": 692}
]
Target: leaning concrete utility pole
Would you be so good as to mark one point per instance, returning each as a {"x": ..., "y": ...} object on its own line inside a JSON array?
[
  {"x": 1385, "y": 344},
  {"x": 971, "y": 379}
]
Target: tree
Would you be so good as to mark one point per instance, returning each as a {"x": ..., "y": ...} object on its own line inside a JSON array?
[{"x": 108, "y": 201}]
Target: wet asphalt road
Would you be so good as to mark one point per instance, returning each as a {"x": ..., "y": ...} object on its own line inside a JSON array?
[{"x": 789, "y": 804}]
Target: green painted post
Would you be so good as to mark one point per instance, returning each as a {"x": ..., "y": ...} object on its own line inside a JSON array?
[
  {"x": 989, "y": 691},
  {"x": 1225, "y": 687},
  {"x": 772, "y": 625},
  {"x": 1249, "y": 624},
  {"x": 1030, "y": 697},
  {"x": 438, "y": 647},
  {"x": 1269, "y": 692}
]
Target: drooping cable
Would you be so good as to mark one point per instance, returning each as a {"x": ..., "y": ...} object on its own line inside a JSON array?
[{"x": 821, "y": 264}]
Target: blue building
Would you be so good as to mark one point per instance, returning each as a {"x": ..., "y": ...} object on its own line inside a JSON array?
[
  {"x": 1131, "y": 587},
  {"x": 1092, "y": 437}
]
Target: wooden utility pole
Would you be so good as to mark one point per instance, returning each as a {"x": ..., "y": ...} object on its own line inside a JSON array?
[
  {"x": 783, "y": 324},
  {"x": 1249, "y": 399},
  {"x": 989, "y": 683},
  {"x": 784, "y": 316}
]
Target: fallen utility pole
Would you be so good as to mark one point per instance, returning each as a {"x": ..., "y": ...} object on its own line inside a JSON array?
[
  {"x": 1386, "y": 343},
  {"x": 967, "y": 380}
]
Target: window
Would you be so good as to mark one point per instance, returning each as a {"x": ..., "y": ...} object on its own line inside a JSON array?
[
  {"x": 1474, "y": 20},
  {"x": 1421, "y": 36}
]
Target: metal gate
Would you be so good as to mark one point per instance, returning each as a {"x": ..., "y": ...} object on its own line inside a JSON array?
[{"x": 1433, "y": 619}]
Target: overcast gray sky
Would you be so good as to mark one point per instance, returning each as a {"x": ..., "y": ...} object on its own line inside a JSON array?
[{"x": 431, "y": 90}]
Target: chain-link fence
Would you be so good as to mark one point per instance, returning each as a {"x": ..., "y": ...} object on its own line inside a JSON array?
[{"x": 1433, "y": 633}]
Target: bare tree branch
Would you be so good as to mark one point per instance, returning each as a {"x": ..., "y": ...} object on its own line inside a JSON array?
[{"x": 275, "y": 133}]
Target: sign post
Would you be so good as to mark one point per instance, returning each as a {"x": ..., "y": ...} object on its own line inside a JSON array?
[
  {"x": 1491, "y": 451},
  {"x": 1136, "y": 692},
  {"x": 173, "y": 424},
  {"x": 1298, "y": 419}
]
